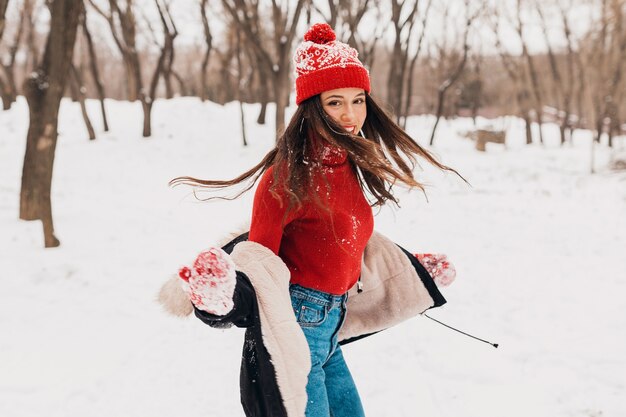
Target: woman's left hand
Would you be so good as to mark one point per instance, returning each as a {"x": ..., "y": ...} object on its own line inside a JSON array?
[{"x": 439, "y": 267}]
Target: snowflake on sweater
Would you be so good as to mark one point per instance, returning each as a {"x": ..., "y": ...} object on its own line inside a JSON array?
[{"x": 312, "y": 56}]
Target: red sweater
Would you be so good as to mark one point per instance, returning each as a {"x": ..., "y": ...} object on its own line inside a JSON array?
[{"x": 322, "y": 249}]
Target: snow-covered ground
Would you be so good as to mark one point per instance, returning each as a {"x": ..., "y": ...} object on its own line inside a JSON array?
[{"x": 538, "y": 242}]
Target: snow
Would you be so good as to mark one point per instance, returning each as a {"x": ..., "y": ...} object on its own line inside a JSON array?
[{"x": 538, "y": 244}]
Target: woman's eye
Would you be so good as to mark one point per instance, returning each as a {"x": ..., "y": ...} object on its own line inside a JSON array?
[
  {"x": 359, "y": 101},
  {"x": 333, "y": 103}
]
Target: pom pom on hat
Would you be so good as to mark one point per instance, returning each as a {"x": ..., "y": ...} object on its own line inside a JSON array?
[
  {"x": 322, "y": 63},
  {"x": 320, "y": 33}
]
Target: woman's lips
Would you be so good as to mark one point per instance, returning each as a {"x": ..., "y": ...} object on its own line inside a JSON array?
[{"x": 350, "y": 129}]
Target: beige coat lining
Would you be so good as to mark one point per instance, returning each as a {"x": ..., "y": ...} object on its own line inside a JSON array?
[
  {"x": 282, "y": 335},
  {"x": 392, "y": 293}
]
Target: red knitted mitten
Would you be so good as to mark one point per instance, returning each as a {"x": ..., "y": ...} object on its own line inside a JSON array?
[
  {"x": 211, "y": 281},
  {"x": 438, "y": 267}
]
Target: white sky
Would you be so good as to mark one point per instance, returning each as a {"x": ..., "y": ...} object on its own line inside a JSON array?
[{"x": 580, "y": 12}]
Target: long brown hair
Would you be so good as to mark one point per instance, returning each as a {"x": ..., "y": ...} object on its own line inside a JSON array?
[{"x": 384, "y": 156}]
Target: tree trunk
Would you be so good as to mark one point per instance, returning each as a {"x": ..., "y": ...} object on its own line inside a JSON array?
[
  {"x": 8, "y": 86},
  {"x": 395, "y": 80},
  {"x": 281, "y": 98},
  {"x": 5, "y": 96},
  {"x": 408, "y": 98},
  {"x": 208, "y": 39},
  {"x": 167, "y": 75},
  {"x": 95, "y": 74},
  {"x": 148, "y": 100},
  {"x": 276, "y": 59},
  {"x": 263, "y": 94},
  {"x": 440, "y": 102},
  {"x": 403, "y": 25},
  {"x": 32, "y": 60},
  {"x": 44, "y": 91},
  {"x": 532, "y": 73},
  {"x": 146, "y": 106},
  {"x": 182, "y": 87},
  {"x": 615, "y": 126},
  {"x": 565, "y": 122},
  {"x": 522, "y": 101},
  {"x": 3, "y": 10},
  {"x": 77, "y": 82},
  {"x": 166, "y": 61},
  {"x": 131, "y": 82},
  {"x": 240, "y": 86},
  {"x": 599, "y": 128},
  {"x": 261, "y": 119},
  {"x": 528, "y": 129},
  {"x": 443, "y": 88}
]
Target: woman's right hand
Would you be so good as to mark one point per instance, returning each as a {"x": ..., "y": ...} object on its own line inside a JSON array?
[{"x": 210, "y": 281}]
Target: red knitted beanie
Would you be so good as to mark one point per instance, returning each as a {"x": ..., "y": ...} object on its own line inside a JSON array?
[{"x": 323, "y": 64}]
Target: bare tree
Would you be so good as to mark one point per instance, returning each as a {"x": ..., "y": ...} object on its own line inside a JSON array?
[
  {"x": 604, "y": 64},
  {"x": 367, "y": 41},
  {"x": 169, "y": 35},
  {"x": 95, "y": 72},
  {"x": 33, "y": 9},
  {"x": 3, "y": 11},
  {"x": 264, "y": 89},
  {"x": 597, "y": 54},
  {"x": 208, "y": 39},
  {"x": 563, "y": 88},
  {"x": 403, "y": 18},
  {"x": 79, "y": 91},
  {"x": 165, "y": 59},
  {"x": 408, "y": 91},
  {"x": 122, "y": 22},
  {"x": 532, "y": 71},
  {"x": 44, "y": 91},
  {"x": 334, "y": 8},
  {"x": 568, "y": 86},
  {"x": 6, "y": 99},
  {"x": 227, "y": 87},
  {"x": 346, "y": 16},
  {"x": 516, "y": 72},
  {"x": 241, "y": 85},
  {"x": 472, "y": 90},
  {"x": 613, "y": 92},
  {"x": 8, "y": 86},
  {"x": 182, "y": 85},
  {"x": 454, "y": 70},
  {"x": 273, "y": 51}
]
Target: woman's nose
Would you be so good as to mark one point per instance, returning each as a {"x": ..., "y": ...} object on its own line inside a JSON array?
[{"x": 348, "y": 113}]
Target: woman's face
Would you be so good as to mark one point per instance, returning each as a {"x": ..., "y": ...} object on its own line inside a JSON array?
[{"x": 346, "y": 106}]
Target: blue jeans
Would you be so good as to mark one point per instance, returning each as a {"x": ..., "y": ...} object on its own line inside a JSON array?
[{"x": 330, "y": 388}]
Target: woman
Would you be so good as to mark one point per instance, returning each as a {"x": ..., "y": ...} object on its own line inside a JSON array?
[{"x": 311, "y": 273}]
